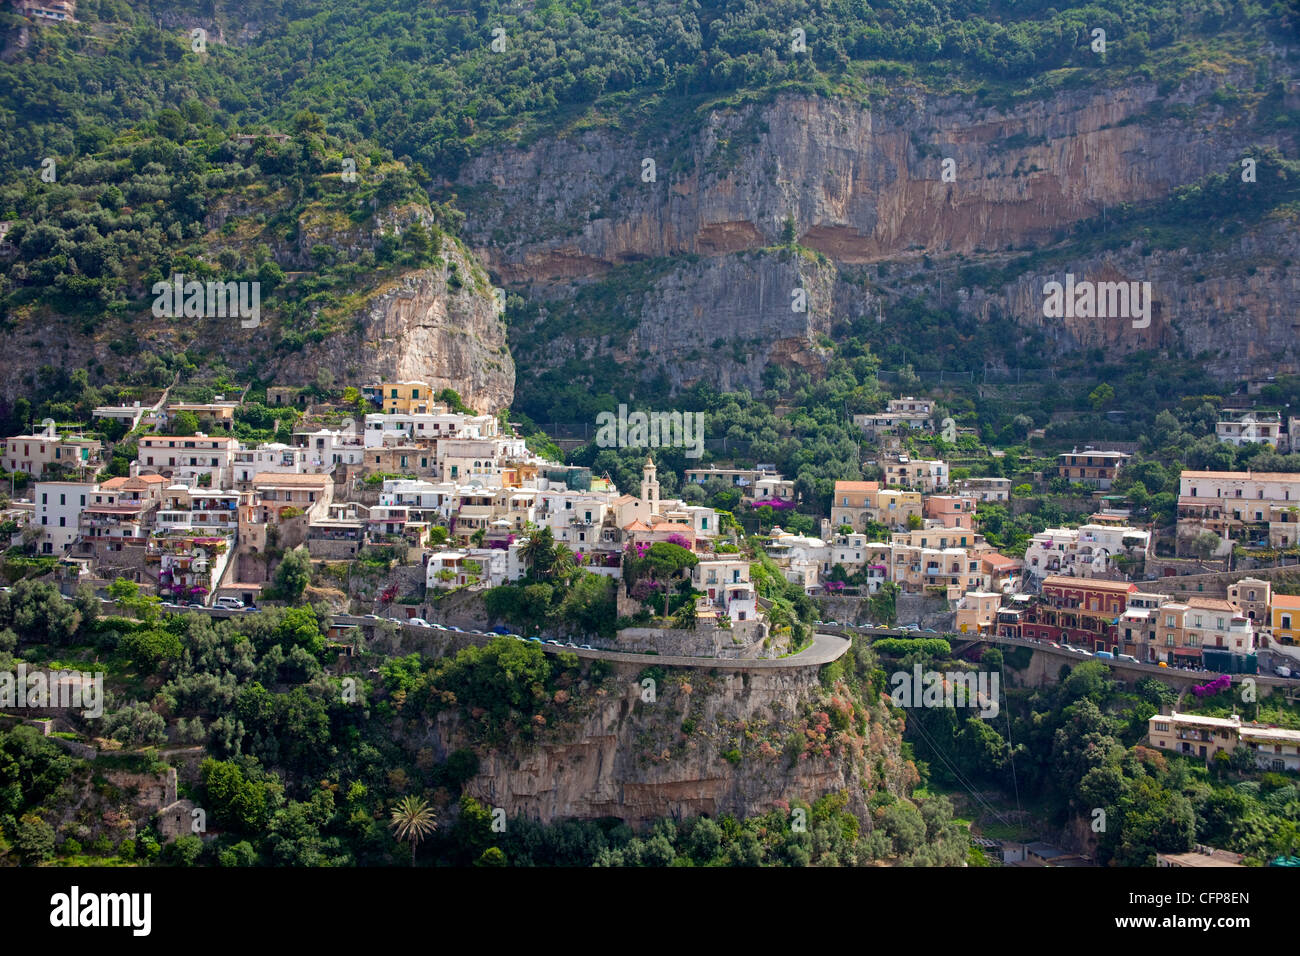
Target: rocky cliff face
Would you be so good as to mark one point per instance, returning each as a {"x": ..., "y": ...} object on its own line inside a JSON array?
[
  {"x": 732, "y": 743},
  {"x": 863, "y": 183},
  {"x": 422, "y": 329},
  {"x": 422, "y": 326}
]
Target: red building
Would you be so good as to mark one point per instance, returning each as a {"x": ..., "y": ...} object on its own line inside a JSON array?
[{"x": 1080, "y": 611}]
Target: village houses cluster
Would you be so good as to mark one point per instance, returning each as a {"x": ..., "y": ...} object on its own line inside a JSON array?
[{"x": 196, "y": 511}]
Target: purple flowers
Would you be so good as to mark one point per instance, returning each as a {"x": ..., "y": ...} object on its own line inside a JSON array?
[{"x": 1220, "y": 683}]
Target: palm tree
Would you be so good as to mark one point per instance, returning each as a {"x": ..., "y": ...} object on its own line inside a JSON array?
[
  {"x": 538, "y": 551},
  {"x": 413, "y": 821},
  {"x": 563, "y": 562}
]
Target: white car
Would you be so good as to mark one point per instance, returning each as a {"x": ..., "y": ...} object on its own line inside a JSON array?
[{"x": 419, "y": 622}]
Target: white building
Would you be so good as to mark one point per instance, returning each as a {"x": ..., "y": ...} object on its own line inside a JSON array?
[
  {"x": 58, "y": 512},
  {"x": 1252, "y": 428},
  {"x": 199, "y": 457},
  {"x": 726, "y": 585},
  {"x": 272, "y": 458},
  {"x": 1086, "y": 551}
]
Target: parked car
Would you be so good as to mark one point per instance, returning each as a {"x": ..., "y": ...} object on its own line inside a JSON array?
[
  {"x": 456, "y": 629},
  {"x": 1127, "y": 658},
  {"x": 1282, "y": 671},
  {"x": 501, "y": 630},
  {"x": 1107, "y": 655},
  {"x": 419, "y": 622},
  {"x": 556, "y": 643},
  {"x": 228, "y": 604},
  {"x": 586, "y": 647},
  {"x": 536, "y": 640}
]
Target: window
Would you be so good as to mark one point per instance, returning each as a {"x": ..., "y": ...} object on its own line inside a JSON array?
[{"x": 1286, "y": 622}]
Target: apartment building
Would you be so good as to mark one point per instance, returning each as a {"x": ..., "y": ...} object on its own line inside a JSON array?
[
  {"x": 35, "y": 454},
  {"x": 1185, "y": 628},
  {"x": 901, "y": 414},
  {"x": 330, "y": 447},
  {"x": 1080, "y": 611},
  {"x": 272, "y": 458},
  {"x": 1137, "y": 625},
  {"x": 202, "y": 458},
  {"x": 745, "y": 480},
  {"x": 411, "y": 397},
  {"x": 920, "y": 474},
  {"x": 952, "y": 511},
  {"x": 1091, "y": 467},
  {"x": 727, "y": 588},
  {"x": 58, "y": 512},
  {"x": 204, "y": 510},
  {"x": 977, "y": 612},
  {"x": 986, "y": 489},
  {"x": 1284, "y": 618},
  {"x": 1251, "y": 428},
  {"x": 1193, "y": 735},
  {"x": 853, "y": 503},
  {"x": 1086, "y": 551},
  {"x": 1252, "y": 597},
  {"x": 1240, "y": 505}
]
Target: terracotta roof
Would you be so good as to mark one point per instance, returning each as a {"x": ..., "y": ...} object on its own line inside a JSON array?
[
  {"x": 636, "y": 526},
  {"x": 856, "y": 486},
  {"x": 1289, "y": 601},
  {"x": 305, "y": 481},
  {"x": 1211, "y": 604}
]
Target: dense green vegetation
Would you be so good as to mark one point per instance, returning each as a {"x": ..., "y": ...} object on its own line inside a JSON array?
[
  {"x": 1073, "y": 747},
  {"x": 427, "y": 81},
  {"x": 300, "y": 768}
]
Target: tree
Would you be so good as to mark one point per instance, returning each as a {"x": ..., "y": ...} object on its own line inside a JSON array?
[
  {"x": 184, "y": 423},
  {"x": 136, "y": 726},
  {"x": 1101, "y": 396},
  {"x": 412, "y": 821},
  {"x": 294, "y": 574},
  {"x": 538, "y": 552},
  {"x": 1205, "y": 544}
]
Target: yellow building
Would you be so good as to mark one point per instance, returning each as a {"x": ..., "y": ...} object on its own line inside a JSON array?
[
  {"x": 1284, "y": 616},
  {"x": 412, "y": 398}
]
